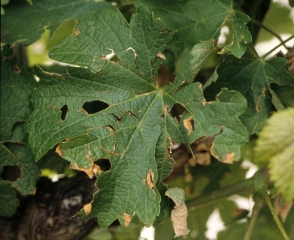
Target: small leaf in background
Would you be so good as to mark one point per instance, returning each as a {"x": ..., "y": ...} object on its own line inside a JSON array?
[
  {"x": 252, "y": 77},
  {"x": 241, "y": 34},
  {"x": 42, "y": 14},
  {"x": 188, "y": 19},
  {"x": 276, "y": 146},
  {"x": 180, "y": 213}
]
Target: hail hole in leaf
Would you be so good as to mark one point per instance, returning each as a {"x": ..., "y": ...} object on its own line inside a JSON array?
[
  {"x": 177, "y": 110},
  {"x": 10, "y": 173},
  {"x": 94, "y": 106},
  {"x": 104, "y": 164},
  {"x": 165, "y": 76},
  {"x": 64, "y": 111}
]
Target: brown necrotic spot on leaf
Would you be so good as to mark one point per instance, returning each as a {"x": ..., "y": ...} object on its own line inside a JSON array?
[
  {"x": 189, "y": 124},
  {"x": 127, "y": 219},
  {"x": 94, "y": 106},
  {"x": 58, "y": 151},
  {"x": 228, "y": 157},
  {"x": 10, "y": 173},
  {"x": 91, "y": 171},
  {"x": 64, "y": 111},
  {"x": 179, "y": 219},
  {"x": 257, "y": 107},
  {"x": 160, "y": 55},
  {"x": 87, "y": 208},
  {"x": 150, "y": 177},
  {"x": 75, "y": 32}
]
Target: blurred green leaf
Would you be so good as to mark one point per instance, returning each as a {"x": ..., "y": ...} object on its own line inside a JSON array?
[{"x": 276, "y": 146}]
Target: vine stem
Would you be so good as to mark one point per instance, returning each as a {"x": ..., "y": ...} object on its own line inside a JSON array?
[
  {"x": 250, "y": 185},
  {"x": 276, "y": 218},
  {"x": 276, "y": 47},
  {"x": 267, "y": 29},
  {"x": 256, "y": 208}
]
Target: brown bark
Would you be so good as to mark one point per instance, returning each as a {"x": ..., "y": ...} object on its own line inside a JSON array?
[{"x": 49, "y": 213}]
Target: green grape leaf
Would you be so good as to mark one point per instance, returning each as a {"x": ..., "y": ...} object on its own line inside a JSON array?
[
  {"x": 276, "y": 146},
  {"x": 241, "y": 34},
  {"x": 16, "y": 86},
  {"x": 42, "y": 14},
  {"x": 133, "y": 130},
  {"x": 8, "y": 200},
  {"x": 196, "y": 22},
  {"x": 252, "y": 77}
]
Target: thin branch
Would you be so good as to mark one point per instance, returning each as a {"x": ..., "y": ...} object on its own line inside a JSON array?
[
  {"x": 276, "y": 47},
  {"x": 256, "y": 208},
  {"x": 276, "y": 218},
  {"x": 267, "y": 29}
]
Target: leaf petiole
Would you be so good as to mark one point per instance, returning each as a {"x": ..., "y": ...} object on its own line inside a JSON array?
[{"x": 276, "y": 218}]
